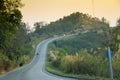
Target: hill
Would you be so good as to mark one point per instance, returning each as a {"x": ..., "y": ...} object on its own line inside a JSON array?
[
  {"x": 74, "y": 23},
  {"x": 83, "y": 54},
  {"x": 91, "y": 41}
]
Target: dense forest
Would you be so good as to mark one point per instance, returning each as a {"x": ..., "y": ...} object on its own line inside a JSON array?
[{"x": 15, "y": 41}]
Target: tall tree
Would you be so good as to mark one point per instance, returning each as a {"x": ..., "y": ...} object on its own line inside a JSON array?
[
  {"x": 116, "y": 38},
  {"x": 118, "y": 22},
  {"x": 10, "y": 19},
  {"x": 18, "y": 43},
  {"x": 38, "y": 27}
]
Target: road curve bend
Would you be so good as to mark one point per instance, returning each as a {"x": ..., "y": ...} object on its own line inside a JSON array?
[{"x": 36, "y": 69}]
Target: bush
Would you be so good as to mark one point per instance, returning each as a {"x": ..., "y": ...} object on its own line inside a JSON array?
[
  {"x": 4, "y": 62},
  {"x": 84, "y": 54}
]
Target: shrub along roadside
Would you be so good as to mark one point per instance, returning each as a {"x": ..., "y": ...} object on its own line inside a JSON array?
[
  {"x": 76, "y": 66},
  {"x": 7, "y": 65},
  {"x": 52, "y": 69},
  {"x": 59, "y": 61}
]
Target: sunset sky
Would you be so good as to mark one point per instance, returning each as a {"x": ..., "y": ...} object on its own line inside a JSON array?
[{"x": 52, "y": 10}]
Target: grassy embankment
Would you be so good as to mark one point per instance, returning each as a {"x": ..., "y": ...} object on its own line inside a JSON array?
[{"x": 82, "y": 57}]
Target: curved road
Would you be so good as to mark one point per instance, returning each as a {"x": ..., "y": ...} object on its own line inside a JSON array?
[{"x": 36, "y": 69}]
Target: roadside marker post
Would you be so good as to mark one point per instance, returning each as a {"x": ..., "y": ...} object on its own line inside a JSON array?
[
  {"x": 108, "y": 54},
  {"x": 110, "y": 62}
]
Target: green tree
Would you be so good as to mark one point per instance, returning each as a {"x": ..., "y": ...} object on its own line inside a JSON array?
[
  {"x": 116, "y": 38},
  {"x": 10, "y": 19},
  {"x": 19, "y": 41},
  {"x": 118, "y": 22},
  {"x": 39, "y": 27},
  {"x": 75, "y": 22}
]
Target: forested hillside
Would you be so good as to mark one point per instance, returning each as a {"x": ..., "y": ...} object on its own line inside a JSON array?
[
  {"x": 83, "y": 54},
  {"x": 91, "y": 41},
  {"x": 74, "y": 23}
]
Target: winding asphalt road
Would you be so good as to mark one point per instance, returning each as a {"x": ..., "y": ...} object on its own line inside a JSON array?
[{"x": 36, "y": 69}]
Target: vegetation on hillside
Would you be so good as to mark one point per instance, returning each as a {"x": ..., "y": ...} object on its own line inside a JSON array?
[
  {"x": 83, "y": 54},
  {"x": 74, "y": 23},
  {"x": 15, "y": 42}
]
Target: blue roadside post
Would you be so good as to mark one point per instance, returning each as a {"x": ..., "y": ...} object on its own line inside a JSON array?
[
  {"x": 108, "y": 54},
  {"x": 110, "y": 62}
]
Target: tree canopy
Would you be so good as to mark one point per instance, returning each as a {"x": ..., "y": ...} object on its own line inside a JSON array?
[
  {"x": 10, "y": 20},
  {"x": 118, "y": 22},
  {"x": 75, "y": 22},
  {"x": 14, "y": 40}
]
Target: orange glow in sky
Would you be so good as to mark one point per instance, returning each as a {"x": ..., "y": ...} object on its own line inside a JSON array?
[{"x": 51, "y": 10}]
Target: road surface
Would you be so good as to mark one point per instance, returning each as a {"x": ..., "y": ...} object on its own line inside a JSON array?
[{"x": 36, "y": 69}]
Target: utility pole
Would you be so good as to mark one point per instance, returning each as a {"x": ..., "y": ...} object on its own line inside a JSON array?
[
  {"x": 110, "y": 63},
  {"x": 108, "y": 53},
  {"x": 93, "y": 8}
]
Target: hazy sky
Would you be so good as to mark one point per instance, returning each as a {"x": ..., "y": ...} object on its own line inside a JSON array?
[{"x": 51, "y": 10}]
